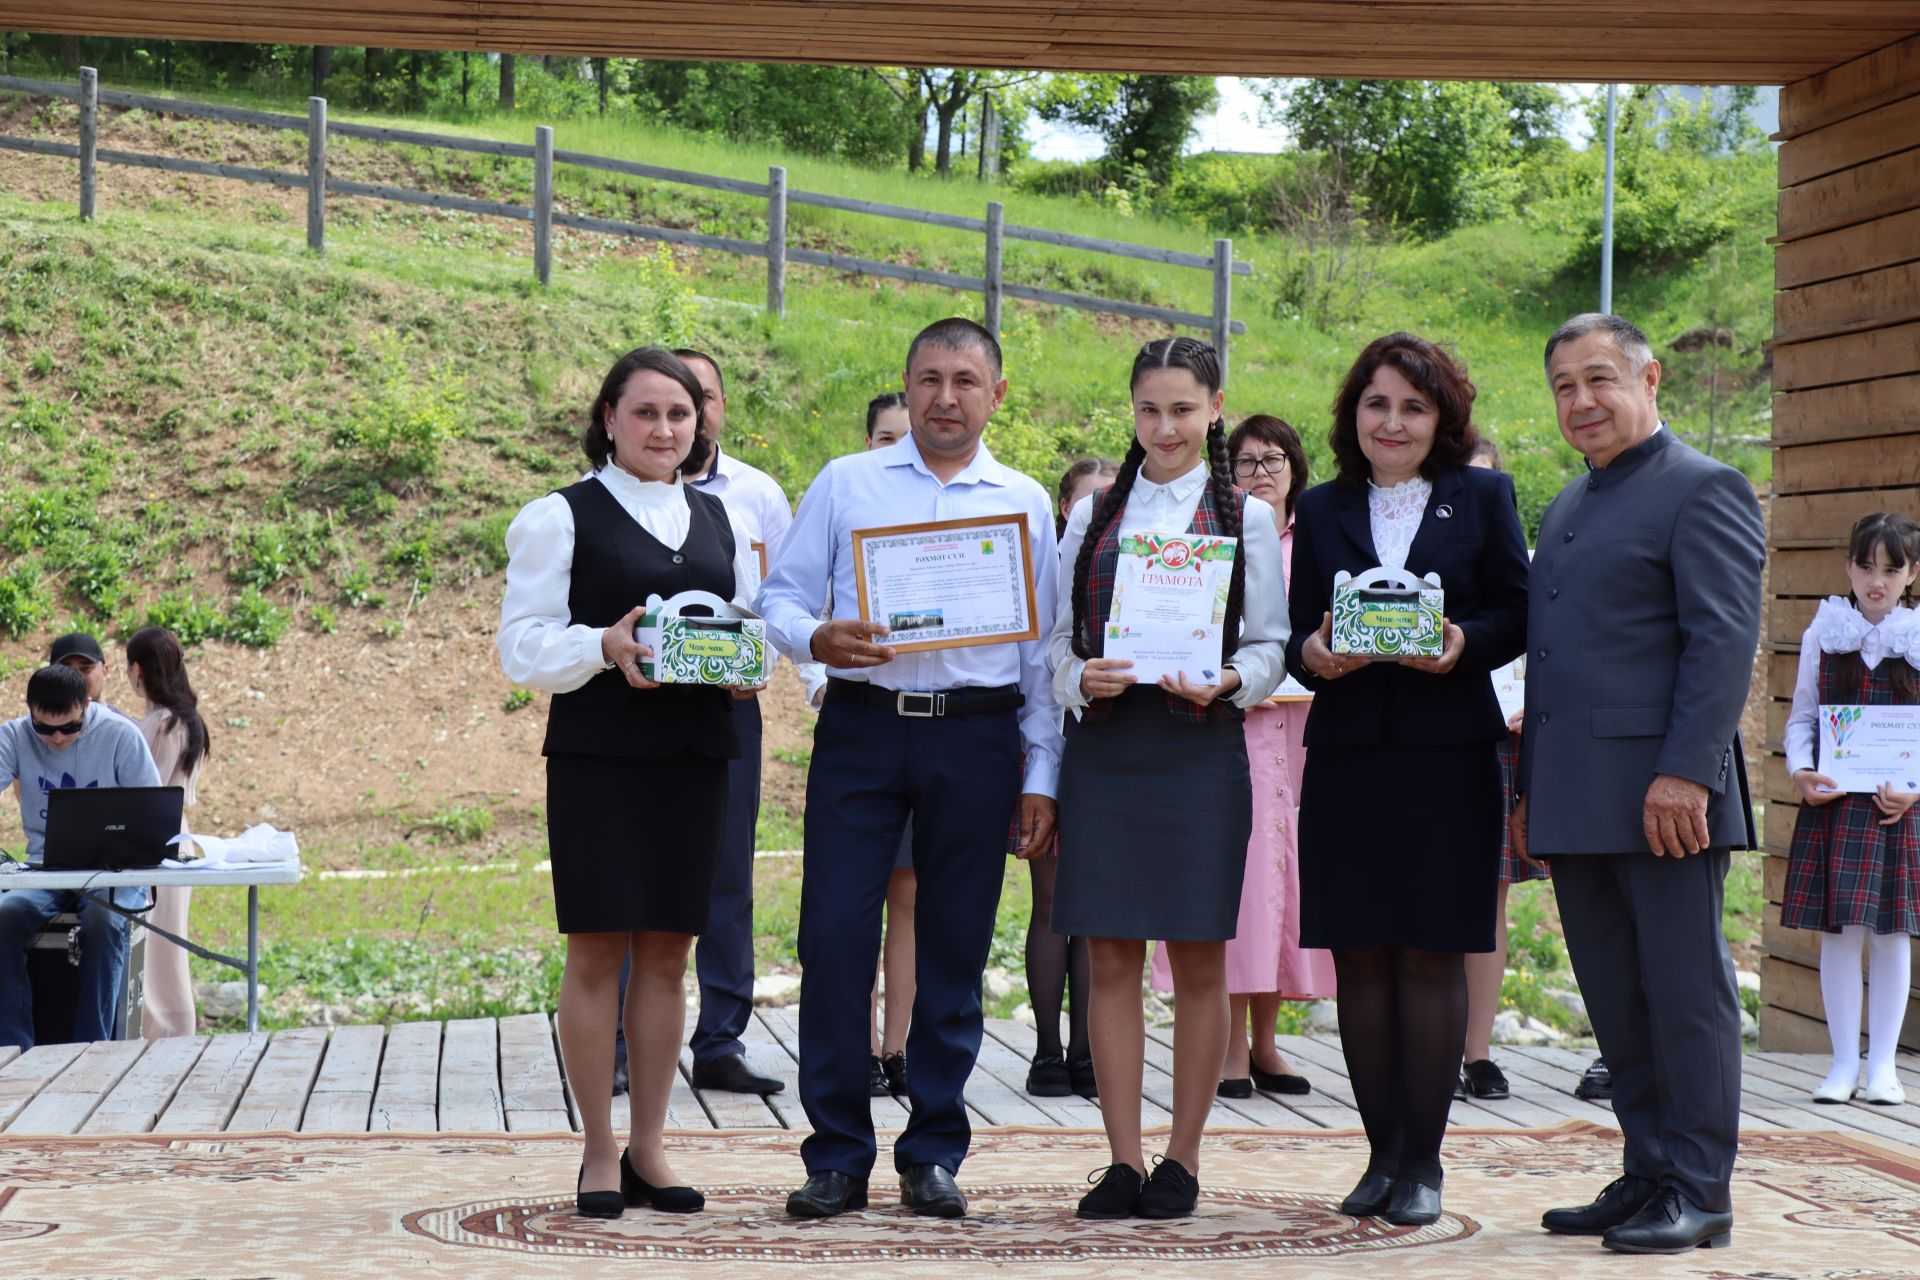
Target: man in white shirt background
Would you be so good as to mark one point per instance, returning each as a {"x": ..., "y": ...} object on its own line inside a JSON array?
[{"x": 886, "y": 747}]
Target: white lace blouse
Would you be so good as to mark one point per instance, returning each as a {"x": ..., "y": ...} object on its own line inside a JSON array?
[
  {"x": 1838, "y": 627},
  {"x": 1395, "y": 514}
]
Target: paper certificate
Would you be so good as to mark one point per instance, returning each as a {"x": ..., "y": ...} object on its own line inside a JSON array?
[
  {"x": 948, "y": 584},
  {"x": 1862, "y": 747},
  {"x": 1170, "y": 605}
]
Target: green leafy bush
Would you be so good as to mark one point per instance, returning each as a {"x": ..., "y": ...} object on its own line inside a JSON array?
[
  {"x": 255, "y": 620},
  {"x": 191, "y": 619},
  {"x": 396, "y": 431},
  {"x": 25, "y": 601}
]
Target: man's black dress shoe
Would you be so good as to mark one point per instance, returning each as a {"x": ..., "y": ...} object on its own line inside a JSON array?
[
  {"x": 827, "y": 1194},
  {"x": 639, "y": 1193},
  {"x": 731, "y": 1074},
  {"x": 1080, "y": 1072},
  {"x": 894, "y": 1067},
  {"x": 1369, "y": 1197},
  {"x": 1671, "y": 1223},
  {"x": 1624, "y": 1197},
  {"x": 596, "y": 1204},
  {"x": 1280, "y": 1082},
  {"x": 1170, "y": 1191},
  {"x": 1048, "y": 1077},
  {"x": 931, "y": 1192},
  {"x": 1596, "y": 1085},
  {"x": 619, "y": 1074},
  {"x": 1241, "y": 1088},
  {"x": 1115, "y": 1194},
  {"x": 1413, "y": 1204},
  {"x": 1484, "y": 1080},
  {"x": 877, "y": 1085}
]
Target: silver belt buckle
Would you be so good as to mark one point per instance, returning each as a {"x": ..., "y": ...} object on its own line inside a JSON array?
[{"x": 930, "y": 704}]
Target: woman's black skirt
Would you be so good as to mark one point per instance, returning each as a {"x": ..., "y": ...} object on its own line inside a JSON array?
[{"x": 634, "y": 842}]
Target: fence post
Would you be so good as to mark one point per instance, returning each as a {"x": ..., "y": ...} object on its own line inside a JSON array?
[
  {"x": 776, "y": 240},
  {"x": 89, "y": 138},
  {"x": 1222, "y": 300},
  {"x": 996, "y": 241},
  {"x": 543, "y": 202},
  {"x": 317, "y": 174}
]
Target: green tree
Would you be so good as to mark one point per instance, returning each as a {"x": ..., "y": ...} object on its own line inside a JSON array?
[{"x": 1145, "y": 120}]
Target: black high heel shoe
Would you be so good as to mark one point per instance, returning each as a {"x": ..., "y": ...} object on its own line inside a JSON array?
[
  {"x": 637, "y": 1192},
  {"x": 598, "y": 1204}
]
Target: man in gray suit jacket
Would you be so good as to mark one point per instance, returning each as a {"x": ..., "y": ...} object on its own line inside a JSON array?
[{"x": 1643, "y": 615}]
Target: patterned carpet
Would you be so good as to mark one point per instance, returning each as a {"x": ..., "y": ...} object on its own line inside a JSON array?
[{"x": 1808, "y": 1205}]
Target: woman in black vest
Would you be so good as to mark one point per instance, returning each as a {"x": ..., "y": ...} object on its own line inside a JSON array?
[
  {"x": 1155, "y": 802},
  {"x": 636, "y": 771}
]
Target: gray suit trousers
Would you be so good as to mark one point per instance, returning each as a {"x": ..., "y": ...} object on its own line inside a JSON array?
[{"x": 1644, "y": 936}]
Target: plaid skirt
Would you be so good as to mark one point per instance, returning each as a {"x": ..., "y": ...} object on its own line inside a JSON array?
[
  {"x": 1513, "y": 867},
  {"x": 1847, "y": 869}
]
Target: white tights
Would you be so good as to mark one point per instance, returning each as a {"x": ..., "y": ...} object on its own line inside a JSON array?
[{"x": 1889, "y": 975}]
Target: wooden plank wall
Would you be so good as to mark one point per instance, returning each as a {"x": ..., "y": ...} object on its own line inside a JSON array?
[{"x": 1846, "y": 413}]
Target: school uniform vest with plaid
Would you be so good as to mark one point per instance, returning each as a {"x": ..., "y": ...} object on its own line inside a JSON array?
[
  {"x": 1098, "y": 603},
  {"x": 1845, "y": 867}
]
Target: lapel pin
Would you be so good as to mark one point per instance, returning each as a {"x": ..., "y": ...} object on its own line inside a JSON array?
[{"x": 1443, "y": 512}]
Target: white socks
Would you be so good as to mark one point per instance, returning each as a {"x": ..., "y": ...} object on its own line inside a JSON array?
[{"x": 1840, "y": 990}]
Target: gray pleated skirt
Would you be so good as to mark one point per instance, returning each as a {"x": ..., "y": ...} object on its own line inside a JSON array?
[{"x": 1155, "y": 814}]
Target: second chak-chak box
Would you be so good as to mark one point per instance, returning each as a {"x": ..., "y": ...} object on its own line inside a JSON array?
[
  {"x": 725, "y": 646},
  {"x": 1388, "y": 613}
]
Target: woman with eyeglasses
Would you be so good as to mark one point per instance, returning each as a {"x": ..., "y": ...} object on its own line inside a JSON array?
[{"x": 1265, "y": 961}]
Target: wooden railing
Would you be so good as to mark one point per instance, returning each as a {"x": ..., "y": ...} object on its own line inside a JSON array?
[{"x": 992, "y": 283}]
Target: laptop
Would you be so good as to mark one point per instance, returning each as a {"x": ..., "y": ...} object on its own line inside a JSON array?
[{"x": 111, "y": 828}]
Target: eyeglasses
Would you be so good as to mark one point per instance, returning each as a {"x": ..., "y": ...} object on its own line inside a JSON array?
[
  {"x": 48, "y": 730},
  {"x": 1273, "y": 464}
]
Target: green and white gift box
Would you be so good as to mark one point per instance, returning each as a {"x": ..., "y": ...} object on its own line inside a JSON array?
[
  {"x": 726, "y": 646},
  {"x": 1388, "y": 613}
]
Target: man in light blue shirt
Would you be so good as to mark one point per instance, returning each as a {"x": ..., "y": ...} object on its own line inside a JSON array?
[{"x": 884, "y": 750}]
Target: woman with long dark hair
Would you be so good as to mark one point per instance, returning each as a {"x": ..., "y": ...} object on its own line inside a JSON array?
[
  {"x": 636, "y": 771},
  {"x": 1155, "y": 804},
  {"x": 1400, "y": 802},
  {"x": 177, "y": 736}
]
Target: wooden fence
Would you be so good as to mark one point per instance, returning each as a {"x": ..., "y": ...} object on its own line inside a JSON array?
[{"x": 544, "y": 216}]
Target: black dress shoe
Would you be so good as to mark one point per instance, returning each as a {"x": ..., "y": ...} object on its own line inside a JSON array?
[
  {"x": 1280, "y": 1082},
  {"x": 1671, "y": 1223},
  {"x": 1413, "y": 1204},
  {"x": 619, "y": 1074},
  {"x": 1048, "y": 1077},
  {"x": 1596, "y": 1085},
  {"x": 1080, "y": 1072},
  {"x": 894, "y": 1067},
  {"x": 1115, "y": 1194},
  {"x": 597, "y": 1204},
  {"x": 731, "y": 1074},
  {"x": 1369, "y": 1196},
  {"x": 1242, "y": 1088},
  {"x": 931, "y": 1192},
  {"x": 827, "y": 1194},
  {"x": 877, "y": 1085},
  {"x": 638, "y": 1192},
  {"x": 1624, "y": 1197},
  {"x": 1170, "y": 1191},
  {"x": 1484, "y": 1080}
]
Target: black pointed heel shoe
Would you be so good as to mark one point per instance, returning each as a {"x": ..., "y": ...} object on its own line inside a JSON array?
[
  {"x": 598, "y": 1204},
  {"x": 637, "y": 1192}
]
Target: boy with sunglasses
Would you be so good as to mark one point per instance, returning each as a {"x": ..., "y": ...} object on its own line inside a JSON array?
[{"x": 65, "y": 740}]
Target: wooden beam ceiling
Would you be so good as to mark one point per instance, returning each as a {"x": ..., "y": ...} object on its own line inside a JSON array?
[{"x": 1692, "y": 41}]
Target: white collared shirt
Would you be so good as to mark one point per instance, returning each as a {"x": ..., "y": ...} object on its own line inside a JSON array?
[
  {"x": 760, "y": 504},
  {"x": 893, "y": 486},
  {"x": 540, "y": 644},
  {"x": 1839, "y": 627},
  {"x": 1261, "y": 658}
]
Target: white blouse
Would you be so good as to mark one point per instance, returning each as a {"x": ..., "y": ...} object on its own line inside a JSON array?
[
  {"x": 540, "y": 644},
  {"x": 1168, "y": 508},
  {"x": 1395, "y": 514},
  {"x": 1838, "y": 627}
]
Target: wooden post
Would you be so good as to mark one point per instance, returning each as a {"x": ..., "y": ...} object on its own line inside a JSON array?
[
  {"x": 543, "y": 203},
  {"x": 996, "y": 241},
  {"x": 1222, "y": 301},
  {"x": 89, "y": 138},
  {"x": 776, "y": 240},
  {"x": 317, "y": 174}
]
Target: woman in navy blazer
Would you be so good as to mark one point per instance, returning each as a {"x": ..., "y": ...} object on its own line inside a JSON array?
[{"x": 1400, "y": 804}]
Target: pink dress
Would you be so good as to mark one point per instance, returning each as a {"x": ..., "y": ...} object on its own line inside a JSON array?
[{"x": 1265, "y": 955}]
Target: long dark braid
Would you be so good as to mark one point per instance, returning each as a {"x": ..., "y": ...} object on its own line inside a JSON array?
[
  {"x": 1226, "y": 502},
  {"x": 1105, "y": 511}
]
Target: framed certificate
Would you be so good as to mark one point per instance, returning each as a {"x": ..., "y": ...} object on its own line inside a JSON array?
[
  {"x": 760, "y": 549},
  {"x": 949, "y": 583},
  {"x": 1864, "y": 746}
]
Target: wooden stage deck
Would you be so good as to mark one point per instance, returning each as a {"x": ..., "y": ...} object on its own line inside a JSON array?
[{"x": 503, "y": 1075}]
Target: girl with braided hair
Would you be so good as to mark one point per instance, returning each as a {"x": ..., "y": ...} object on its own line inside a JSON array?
[{"x": 1155, "y": 799}]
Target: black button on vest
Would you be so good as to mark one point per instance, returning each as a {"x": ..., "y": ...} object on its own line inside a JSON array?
[{"x": 617, "y": 565}]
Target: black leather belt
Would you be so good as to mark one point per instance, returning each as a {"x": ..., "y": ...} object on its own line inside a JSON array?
[{"x": 943, "y": 702}]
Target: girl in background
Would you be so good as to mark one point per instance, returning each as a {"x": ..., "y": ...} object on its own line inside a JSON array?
[{"x": 177, "y": 736}]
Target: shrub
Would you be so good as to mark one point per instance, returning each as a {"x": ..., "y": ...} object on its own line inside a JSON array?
[
  {"x": 99, "y": 575},
  {"x": 190, "y": 618},
  {"x": 396, "y": 431},
  {"x": 255, "y": 620},
  {"x": 356, "y": 589},
  {"x": 324, "y": 619},
  {"x": 461, "y": 824},
  {"x": 517, "y": 700},
  {"x": 24, "y": 600}
]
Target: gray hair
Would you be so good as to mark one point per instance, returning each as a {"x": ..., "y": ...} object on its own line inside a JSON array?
[{"x": 1626, "y": 335}]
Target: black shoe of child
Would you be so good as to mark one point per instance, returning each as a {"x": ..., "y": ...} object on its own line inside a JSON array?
[
  {"x": 1170, "y": 1192},
  {"x": 1115, "y": 1194},
  {"x": 1048, "y": 1077},
  {"x": 1080, "y": 1072},
  {"x": 877, "y": 1085},
  {"x": 894, "y": 1067}
]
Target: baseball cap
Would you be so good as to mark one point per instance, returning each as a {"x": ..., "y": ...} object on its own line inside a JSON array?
[{"x": 76, "y": 644}]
